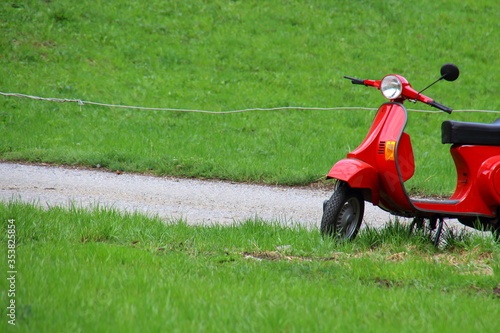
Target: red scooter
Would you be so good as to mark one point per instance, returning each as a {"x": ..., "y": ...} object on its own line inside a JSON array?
[{"x": 377, "y": 169}]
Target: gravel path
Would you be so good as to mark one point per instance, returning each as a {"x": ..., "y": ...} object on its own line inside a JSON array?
[{"x": 196, "y": 201}]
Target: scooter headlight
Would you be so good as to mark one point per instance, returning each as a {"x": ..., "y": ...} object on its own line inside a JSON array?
[{"x": 391, "y": 87}]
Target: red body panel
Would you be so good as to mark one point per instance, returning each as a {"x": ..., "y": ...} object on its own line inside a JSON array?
[
  {"x": 384, "y": 161},
  {"x": 386, "y": 184},
  {"x": 478, "y": 182}
]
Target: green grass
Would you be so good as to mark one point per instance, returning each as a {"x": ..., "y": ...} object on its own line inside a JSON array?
[
  {"x": 225, "y": 55},
  {"x": 102, "y": 271}
]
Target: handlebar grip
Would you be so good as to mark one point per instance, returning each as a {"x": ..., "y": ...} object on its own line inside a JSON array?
[
  {"x": 355, "y": 81},
  {"x": 440, "y": 106}
]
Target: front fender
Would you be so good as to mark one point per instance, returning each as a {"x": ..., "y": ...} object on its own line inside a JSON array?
[{"x": 357, "y": 174}]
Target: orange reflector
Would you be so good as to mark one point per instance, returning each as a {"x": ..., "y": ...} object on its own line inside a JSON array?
[{"x": 390, "y": 148}]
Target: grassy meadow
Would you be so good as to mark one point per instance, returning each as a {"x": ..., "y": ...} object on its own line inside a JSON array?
[
  {"x": 226, "y": 55},
  {"x": 102, "y": 271}
]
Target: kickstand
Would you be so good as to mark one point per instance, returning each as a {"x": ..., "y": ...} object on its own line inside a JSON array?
[
  {"x": 418, "y": 222},
  {"x": 438, "y": 232},
  {"x": 433, "y": 224}
]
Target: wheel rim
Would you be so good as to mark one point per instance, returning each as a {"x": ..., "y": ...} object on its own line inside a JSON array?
[{"x": 349, "y": 217}]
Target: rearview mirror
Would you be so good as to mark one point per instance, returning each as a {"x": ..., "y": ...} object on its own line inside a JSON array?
[{"x": 449, "y": 72}]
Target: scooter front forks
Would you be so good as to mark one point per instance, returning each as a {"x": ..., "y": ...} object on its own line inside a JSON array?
[{"x": 434, "y": 222}]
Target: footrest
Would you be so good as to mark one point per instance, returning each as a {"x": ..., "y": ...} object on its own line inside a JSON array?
[{"x": 434, "y": 201}]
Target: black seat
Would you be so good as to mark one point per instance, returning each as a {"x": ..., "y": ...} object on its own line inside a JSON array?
[{"x": 465, "y": 133}]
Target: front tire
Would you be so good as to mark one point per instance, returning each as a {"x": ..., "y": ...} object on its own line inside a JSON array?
[{"x": 343, "y": 213}]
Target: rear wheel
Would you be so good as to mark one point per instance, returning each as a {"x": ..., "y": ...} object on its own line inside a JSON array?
[
  {"x": 496, "y": 234},
  {"x": 483, "y": 224},
  {"x": 343, "y": 213}
]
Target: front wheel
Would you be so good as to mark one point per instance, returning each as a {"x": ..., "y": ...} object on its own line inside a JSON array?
[{"x": 343, "y": 213}]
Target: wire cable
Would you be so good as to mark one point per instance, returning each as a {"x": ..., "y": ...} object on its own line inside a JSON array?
[{"x": 82, "y": 103}]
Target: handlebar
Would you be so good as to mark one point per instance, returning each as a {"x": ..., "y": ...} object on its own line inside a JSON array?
[
  {"x": 440, "y": 106},
  {"x": 354, "y": 80},
  {"x": 408, "y": 92}
]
